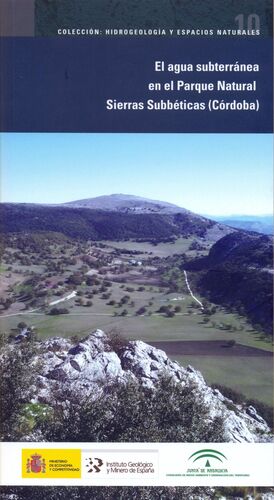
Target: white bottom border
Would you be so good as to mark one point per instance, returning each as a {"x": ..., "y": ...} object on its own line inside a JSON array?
[{"x": 151, "y": 464}]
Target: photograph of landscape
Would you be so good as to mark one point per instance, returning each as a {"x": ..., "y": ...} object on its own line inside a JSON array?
[{"x": 136, "y": 287}]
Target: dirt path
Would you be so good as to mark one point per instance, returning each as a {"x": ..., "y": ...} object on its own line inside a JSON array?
[
  {"x": 33, "y": 311},
  {"x": 190, "y": 291},
  {"x": 19, "y": 313},
  {"x": 68, "y": 297}
]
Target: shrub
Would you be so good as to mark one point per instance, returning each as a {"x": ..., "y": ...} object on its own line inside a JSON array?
[
  {"x": 75, "y": 339},
  {"x": 107, "y": 492},
  {"x": 131, "y": 412},
  {"x": 58, "y": 310},
  {"x": 75, "y": 279},
  {"x": 22, "y": 325},
  {"x": 141, "y": 311},
  {"x": 115, "y": 342},
  {"x": 264, "y": 410},
  {"x": 237, "y": 397},
  {"x": 230, "y": 343},
  {"x": 163, "y": 309},
  {"x": 15, "y": 377}
]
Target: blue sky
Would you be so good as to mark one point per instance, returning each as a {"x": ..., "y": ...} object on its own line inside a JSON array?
[{"x": 216, "y": 174}]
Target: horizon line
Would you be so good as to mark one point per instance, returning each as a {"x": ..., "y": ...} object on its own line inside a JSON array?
[{"x": 201, "y": 213}]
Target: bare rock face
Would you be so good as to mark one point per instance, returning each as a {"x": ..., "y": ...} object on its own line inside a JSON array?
[{"x": 90, "y": 365}]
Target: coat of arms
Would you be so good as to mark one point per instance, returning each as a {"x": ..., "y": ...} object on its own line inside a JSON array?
[{"x": 37, "y": 464}]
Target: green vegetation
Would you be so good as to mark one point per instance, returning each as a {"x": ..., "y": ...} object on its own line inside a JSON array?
[
  {"x": 108, "y": 492},
  {"x": 148, "y": 301},
  {"x": 250, "y": 376},
  {"x": 15, "y": 377},
  {"x": 162, "y": 249},
  {"x": 132, "y": 413},
  {"x": 124, "y": 412},
  {"x": 98, "y": 225},
  {"x": 134, "y": 492},
  {"x": 263, "y": 409},
  {"x": 237, "y": 273},
  {"x": 55, "y": 311},
  {"x": 32, "y": 415}
]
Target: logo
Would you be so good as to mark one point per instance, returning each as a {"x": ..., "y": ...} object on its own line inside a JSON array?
[
  {"x": 94, "y": 465},
  {"x": 207, "y": 454},
  {"x": 50, "y": 463},
  {"x": 36, "y": 464},
  {"x": 209, "y": 462}
]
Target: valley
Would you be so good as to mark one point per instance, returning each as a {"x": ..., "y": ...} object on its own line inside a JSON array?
[{"x": 144, "y": 288}]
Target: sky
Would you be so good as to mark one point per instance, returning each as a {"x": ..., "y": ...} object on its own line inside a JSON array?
[{"x": 213, "y": 174}]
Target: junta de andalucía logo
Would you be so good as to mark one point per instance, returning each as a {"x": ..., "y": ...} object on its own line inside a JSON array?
[{"x": 206, "y": 455}]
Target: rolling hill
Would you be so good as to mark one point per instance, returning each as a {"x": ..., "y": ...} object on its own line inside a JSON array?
[
  {"x": 237, "y": 273},
  {"x": 126, "y": 203},
  {"x": 115, "y": 217}
]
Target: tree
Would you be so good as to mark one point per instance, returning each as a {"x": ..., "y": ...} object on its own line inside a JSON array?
[
  {"x": 58, "y": 310},
  {"x": 231, "y": 343},
  {"x": 205, "y": 319},
  {"x": 22, "y": 325},
  {"x": 75, "y": 279},
  {"x": 163, "y": 309},
  {"x": 7, "y": 303},
  {"x": 141, "y": 311}
]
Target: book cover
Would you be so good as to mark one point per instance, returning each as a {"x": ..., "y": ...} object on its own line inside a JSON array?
[{"x": 136, "y": 249}]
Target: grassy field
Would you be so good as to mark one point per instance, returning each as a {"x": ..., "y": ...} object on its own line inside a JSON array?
[
  {"x": 251, "y": 376},
  {"x": 188, "y": 324},
  {"x": 127, "y": 292},
  {"x": 181, "y": 245}
]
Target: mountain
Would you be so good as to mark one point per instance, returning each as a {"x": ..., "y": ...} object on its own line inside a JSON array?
[
  {"x": 87, "y": 223},
  {"x": 104, "y": 388},
  {"x": 244, "y": 249},
  {"x": 237, "y": 273},
  {"x": 127, "y": 203},
  {"x": 258, "y": 223}
]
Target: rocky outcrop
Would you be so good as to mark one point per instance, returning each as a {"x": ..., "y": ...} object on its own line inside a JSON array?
[{"x": 88, "y": 367}]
